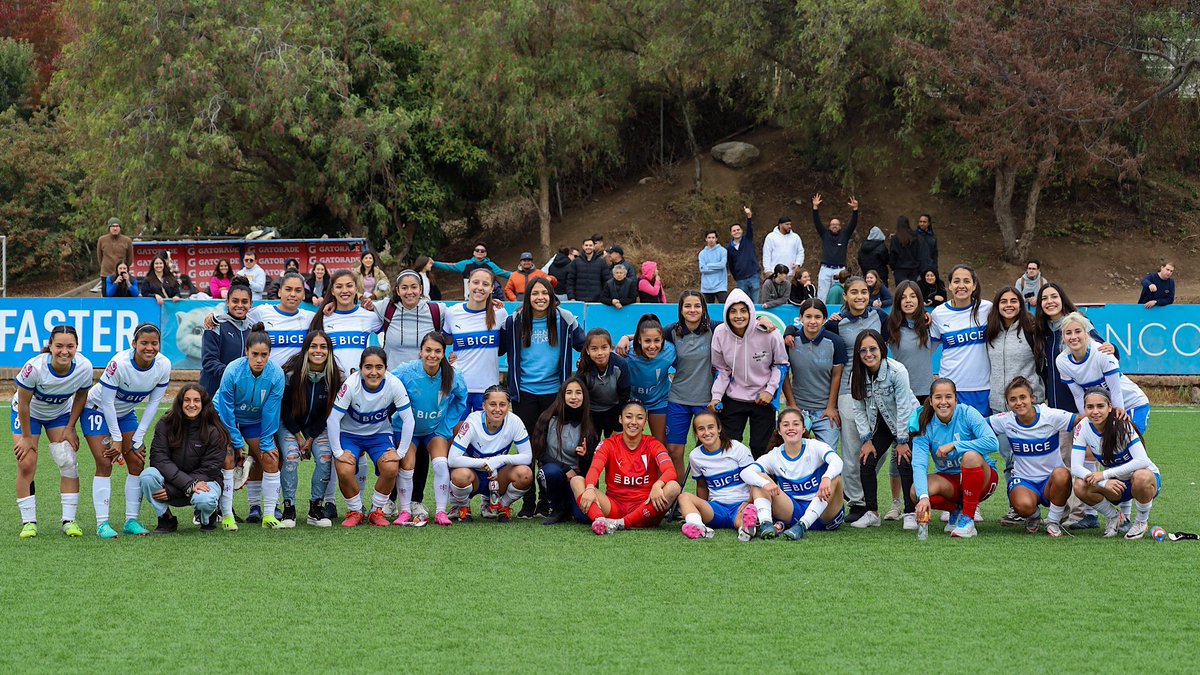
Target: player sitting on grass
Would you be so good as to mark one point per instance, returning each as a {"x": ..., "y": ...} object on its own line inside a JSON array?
[
  {"x": 1128, "y": 472},
  {"x": 480, "y": 462},
  {"x": 722, "y": 498},
  {"x": 640, "y": 482},
  {"x": 798, "y": 483},
  {"x": 186, "y": 456}
]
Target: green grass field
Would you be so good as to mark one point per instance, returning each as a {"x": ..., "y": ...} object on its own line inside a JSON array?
[{"x": 485, "y": 597}]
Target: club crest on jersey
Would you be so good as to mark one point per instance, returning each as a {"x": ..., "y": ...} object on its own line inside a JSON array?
[
  {"x": 27, "y": 370},
  {"x": 112, "y": 368},
  {"x": 342, "y": 391}
]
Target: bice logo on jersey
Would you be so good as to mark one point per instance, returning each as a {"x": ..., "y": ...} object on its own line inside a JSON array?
[
  {"x": 348, "y": 340},
  {"x": 626, "y": 479},
  {"x": 130, "y": 396},
  {"x": 429, "y": 414},
  {"x": 53, "y": 399},
  {"x": 725, "y": 481},
  {"x": 370, "y": 417},
  {"x": 1021, "y": 447},
  {"x": 292, "y": 338},
  {"x": 963, "y": 337},
  {"x": 475, "y": 340},
  {"x": 803, "y": 486}
]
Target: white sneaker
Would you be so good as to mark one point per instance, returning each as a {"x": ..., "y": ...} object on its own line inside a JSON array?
[
  {"x": 1136, "y": 531},
  {"x": 1112, "y": 526},
  {"x": 390, "y": 511},
  {"x": 896, "y": 511},
  {"x": 978, "y": 514},
  {"x": 910, "y": 521},
  {"x": 419, "y": 512},
  {"x": 965, "y": 529},
  {"x": 241, "y": 472},
  {"x": 868, "y": 519},
  {"x": 945, "y": 516}
]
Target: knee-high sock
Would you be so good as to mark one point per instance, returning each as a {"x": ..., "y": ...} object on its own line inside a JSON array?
[
  {"x": 133, "y": 497},
  {"x": 462, "y": 495},
  {"x": 28, "y": 508},
  {"x": 813, "y": 513},
  {"x": 942, "y": 504},
  {"x": 378, "y": 500},
  {"x": 1056, "y": 513},
  {"x": 101, "y": 492},
  {"x": 763, "y": 504},
  {"x": 1106, "y": 509},
  {"x": 645, "y": 515},
  {"x": 420, "y": 475},
  {"x": 1127, "y": 508},
  {"x": 354, "y": 503},
  {"x": 363, "y": 463},
  {"x": 70, "y": 505},
  {"x": 1143, "y": 511},
  {"x": 254, "y": 491},
  {"x": 972, "y": 488},
  {"x": 270, "y": 492},
  {"x": 594, "y": 512},
  {"x": 404, "y": 486},
  {"x": 511, "y": 495},
  {"x": 441, "y": 483},
  {"x": 226, "y": 492}
]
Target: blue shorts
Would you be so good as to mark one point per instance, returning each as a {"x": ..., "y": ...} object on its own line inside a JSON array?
[
  {"x": 481, "y": 484},
  {"x": 94, "y": 423},
  {"x": 375, "y": 446},
  {"x": 724, "y": 515},
  {"x": 250, "y": 430},
  {"x": 798, "y": 509},
  {"x": 36, "y": 425},
  {"x": 1140, "y": 416},
  {"x": 1037, "y": 486},
  {"x": 679, "y": 421},
  {"x": 977, "y": 400},
  {"x": 474, "y": 402},
  {"x": 1128, "y": 493}
]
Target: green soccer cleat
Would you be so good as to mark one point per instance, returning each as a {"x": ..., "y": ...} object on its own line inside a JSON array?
[
  {"x": 796, "y": 532},
  {"x": 133, "y": 527},
  {"x": 72, "y": 529},
  {"x": 29, "y": 530},
  {"x": 229, "y": 524},
  {"x": 270, "y": 522},
  {"x": 766, "y": 531},
  {"x": 105, "y": 531}
]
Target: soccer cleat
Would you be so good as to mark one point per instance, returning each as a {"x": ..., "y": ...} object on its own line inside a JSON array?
[
  {"x": 255, "y": 515},
  {"x": 603, "y": 526},
  {"x": 442, "y": 519},
  {"x": 229, "y": 524},
  {"x": 132, "y": 526},
  {"x": 390, "y": 509},
  {"x": 72, "y": 529},
  {"x": 965, "y": 529},
  {"x": 896, "y": 511},
  {"x": 1088, "y": 522},
  {"x": 419, "y": 512},
  {"x": 241, "y": 473},
  {"x": 796, "y": 532},
  {"x": 869, "y": 519},
  {"x": 464, "y": 514},
  {"x": 1126, "y": 525},
  {"x": 503, "y": 513},
  {"x": 749, "y": 523},
  {"x": 288, "y": 521},
  {"x": 1012, "y": 519},
  {"x": 1032, "y": 523},
  {"x": 694, "y": 531},
  {"x": 377, "y": 518},
  {"x": 767, "y": 531},
  {"x": 1136, "y": 531},
  {"x": 354, "y": 519},
  {"x": 167, "y": 523},
  {"x": 1055, "y": 530},
  {"x": 952, "y": 522},
  {"x": 1112, "y": 527},
  {"x": 979, "y": 514},
  {"x": 29, "y": 530},
  {"x": 910, "y": 521},
  {"x": 403, "y": 519},
  {"x": 270, "y": 523},
  {"x": 528, "y": 509},
  {"x": 487, "y": 509}
]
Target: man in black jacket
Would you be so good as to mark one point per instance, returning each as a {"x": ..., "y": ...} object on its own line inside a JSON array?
[
  {"x": 834, "y": 243},
  {"x": 585, "y": 276},
  {"x": 188, "y": 471}
]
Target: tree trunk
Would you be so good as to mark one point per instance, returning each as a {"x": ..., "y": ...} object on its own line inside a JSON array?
[
  {"x": 684, "y": 105},
  {"x": 543, "y": 204},
  {"x": 1025, "y": 243},
  {"x": 1006, "y": 184}
]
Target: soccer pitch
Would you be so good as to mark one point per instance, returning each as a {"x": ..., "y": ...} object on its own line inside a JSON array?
[{"x": 488, "y": 597}]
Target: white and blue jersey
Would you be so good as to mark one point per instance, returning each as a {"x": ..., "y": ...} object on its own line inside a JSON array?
[
  {"x": 964, "y": 353},
  {"x": 967, "y": 430},
  {"x": 476, "y": 345},
  {"x": 124, "y": 385},
  {"x": 287, "y": 331},
  {"x": 350, "y": 332},
  {"x": 474, "y": 445},
  {"x": 433, "y": 413},
  {"x": 1035, "y": 448},
  {"x": 649, "y": 379},
  {"x": 721, "y": 471},
  {"x": 800, "y": 477},
  {"x": 362, "y": 417},
  {"x": 1123, "y": 463},
  {"x": 52, "y": 394},
  {"x": 1099, "y": 370},
  {"x": 249, "y": 404}
]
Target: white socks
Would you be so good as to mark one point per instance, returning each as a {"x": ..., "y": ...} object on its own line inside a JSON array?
[
  {"x": 462, "y": 495},
  {"x": 404, "y": 485},
  {"x": 226, "y": 498},
  {"x": 133, "y": 497},
  {"x": 364, "y": 463},
  {"x": 101, "y": 492},
  {"x": 511, "y": 495},
  {"x": 1056, "y": 513},
  {"x": 1126, "y": 508},
  {"x": 441, "y": 483},
  {"x": 28, "y": 508},
  {"x": 813, "y": 513},
  {"x": 1106, "y": 509},
  {"x": 270, "y": 493},
  {"x": 694, "y": 519},
  {"x": 70, "y": 505},
  {"x": 378, "y": 500},
  {"x": 763, "y": 506},
  {"x": 355, "y": 503},
  {"x": 254, "y": 490},
  {"x": 1143, "y": 511}
]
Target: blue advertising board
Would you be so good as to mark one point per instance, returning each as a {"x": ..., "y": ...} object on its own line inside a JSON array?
[{"x": 105, "y": 325}]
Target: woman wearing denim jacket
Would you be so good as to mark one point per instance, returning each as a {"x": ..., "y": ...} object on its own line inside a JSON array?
[{"x": 883, "y": 402}]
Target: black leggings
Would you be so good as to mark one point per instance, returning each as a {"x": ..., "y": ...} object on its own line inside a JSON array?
[
  {"x": 882, "y": 439},
  {"x": 734, "y": 416}
]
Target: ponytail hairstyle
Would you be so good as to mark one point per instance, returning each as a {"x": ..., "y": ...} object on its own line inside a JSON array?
[
  {"x": 813, "y": 303},
  {"x": 60, "y": 329},
  {"x": 586, "y": 365},
  {"x": 175, "y": 421},
  {"x": 565, "y": 415},
  {"x": 298, "y": 370},
  {"x": 372, "y": 351},
  {"x": 927, "y": 411},
  {"x": 444, "y": 369},
  {"x": 293, "y": 275},
  {"x": 258, "y": 336},
  {"x": 723, "y": 439},
  {"x": 858, "y": 370},
  {"x": 705, "y": 324},
  {"x": 1018, "y": 382},
  {"x": 395, "y": 296},
  {"x": 318, "y": 320},
  {"x": 977, "y": 294},
  {"x": 647, "y": 322},
  {"x": 526, "y": 313},
  {"x": 487, "y": 303},
  {"x": 1024, "y": 320},
  {"x": 790, "y": 410},
  {"x": 897, "y": 318},
  {"x": 1118, "y": 432}
]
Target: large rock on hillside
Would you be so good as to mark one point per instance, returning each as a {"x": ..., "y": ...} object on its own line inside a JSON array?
[{"x": 735, "y": 154}]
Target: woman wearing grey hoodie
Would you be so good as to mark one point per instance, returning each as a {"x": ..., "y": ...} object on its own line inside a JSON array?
[
  {"x": 874, "y": 255},
  {"x": 775, "y": 291}
]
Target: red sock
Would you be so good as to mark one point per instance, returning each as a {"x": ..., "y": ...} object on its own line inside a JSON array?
[
  {"x": 972, "y": 489},
  {"x": 644, "y": 516},
  {"x": 941, "y": 503},
  {"x": 593, "y": 511}
]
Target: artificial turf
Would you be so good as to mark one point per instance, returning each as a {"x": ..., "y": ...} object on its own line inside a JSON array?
[{"x": 488, "y": 597}]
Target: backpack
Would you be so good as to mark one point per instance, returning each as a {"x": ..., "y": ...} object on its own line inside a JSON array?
[{"x": 435, "y": 311}]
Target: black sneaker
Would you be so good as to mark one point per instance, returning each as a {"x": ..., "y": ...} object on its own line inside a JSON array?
[
  {"x": 167, "y": 524},
  {"x": 196, "y": 517},
  {"x": 316, "y": 515},
  {"x": 331, "y": 511},
  {"x": 855, "y": 512},
  {"x": 528, "y": 509},
  {"x": 554, "y": 518},
  {"x": 211, "y": 524},
  {"x": 543, "y": 508},
  {"x": 289, "y": 515}
]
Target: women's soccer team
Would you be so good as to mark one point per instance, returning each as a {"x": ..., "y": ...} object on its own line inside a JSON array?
[{"x": 281, "y": 384}]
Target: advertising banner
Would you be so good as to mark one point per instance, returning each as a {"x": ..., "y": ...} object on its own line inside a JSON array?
[
  {"x": 105, "y": 326},
  {"x": 198, "y": 259}
]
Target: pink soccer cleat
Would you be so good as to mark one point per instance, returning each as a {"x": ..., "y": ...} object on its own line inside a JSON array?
[
  {"x": 403, "y": 519},
  {"x": 442, "y": 519},
  {"x": 603, "y": 526},
  {"x": 749, "y": 522}
]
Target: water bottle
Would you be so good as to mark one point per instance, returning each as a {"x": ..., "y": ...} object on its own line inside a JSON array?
[
  {"x": 923, "y": 527},
  {"x": 494, "y": 493}
]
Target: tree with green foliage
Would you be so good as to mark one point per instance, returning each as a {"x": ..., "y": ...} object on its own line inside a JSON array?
[
  {"x": 16, "y": 73},
  {"x": 211, "y": 116}
]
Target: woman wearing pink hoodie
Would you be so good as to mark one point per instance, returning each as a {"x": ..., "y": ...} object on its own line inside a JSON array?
[
  {"x": 650, "y": 288},
  {"x": 748, "y": 358}
]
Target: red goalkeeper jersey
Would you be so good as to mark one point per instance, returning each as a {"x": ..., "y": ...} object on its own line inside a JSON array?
[{"x": 629, "y": 474}]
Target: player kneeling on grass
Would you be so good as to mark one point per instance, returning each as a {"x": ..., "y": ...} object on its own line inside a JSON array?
[
  {"x": 722, "y": 498},
  {"x": 798, "y": 483},
  {"x": 479, "y": 459},
  {"x": 52, "y": 388},
  {"x": 186, "y": 456},
  {"x": 640, "y": 480},
  {"x": 361, "y": 421},
  {"x": 1128, "y": 472},
  {"x": 958, "y": 440},
  {"x": 1039, "y": 477}
]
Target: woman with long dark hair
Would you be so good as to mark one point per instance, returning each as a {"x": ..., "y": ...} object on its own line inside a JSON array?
[
  {"x": 474, "y": 327},
  {"x": 222, "y": 278},
  {"x": 722, "y": 498},
  {"x": 564, "y": 441},
  {"x": 186, "y": 456},
  {"x": 159, "y": 282},
  {"x": 480, "y": 461},
  {"x": 607, "y": 378},
  {"x": 908, "y": 343},
  {"x": 349, "y": 324},
  {"x": 904, "y": 255},
  {"x": 407, "y": 318},
  {"x": 317, "y": 283},
  {"x": 313, "y": 379},
  {"x": 959, "y": 326}
]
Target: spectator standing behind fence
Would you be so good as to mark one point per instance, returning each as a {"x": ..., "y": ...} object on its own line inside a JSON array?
[
  {"x": 616, "y": 257},
  {"x": 1030, "y": 284},
  {"x": 112, "y": 248},
  {"x": 782, "y": 247},
  {"x": 834, "y": 243},
  {"x": 621, "y": 289},
  {"x": 1158, "y": 288},
  {"x": 873, "y": 255},
  {"x": 514, "y": 291},
  {"x": 479, "y": 259},
  {"x": 254, "y": 274},
  {"x": 714, "y": 279},
  {"x": 585, "y": 276},
  {"x": 905, "y": 253},
  {"x": 218, "y": 285},
  {"x": 927, "y": 243},
  {"x": 557, "y": 268},
  {"x": 650, "y": 286},
  {"x": 743, "y": 259},
  {"x": 121, "y": 284}
]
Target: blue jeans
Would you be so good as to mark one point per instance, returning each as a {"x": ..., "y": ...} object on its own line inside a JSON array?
[
  {"x": 751, "y": 285},
  {"x": 556, "y": 489},
  {"x": 205, "y": 502},
  {"x": 289, "y": 474},
  {"x": 822, "y": 428}
]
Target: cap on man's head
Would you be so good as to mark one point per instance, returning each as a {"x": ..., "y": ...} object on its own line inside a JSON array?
[
  {"x": 114, "y": 221},
  {"x": 784, "y": 219},
  {"x": 616, "y": 249},
  {"x": 526, "y": 256}
]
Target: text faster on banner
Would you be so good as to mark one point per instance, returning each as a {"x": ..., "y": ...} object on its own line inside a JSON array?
[{"x": 105, "y": 326}]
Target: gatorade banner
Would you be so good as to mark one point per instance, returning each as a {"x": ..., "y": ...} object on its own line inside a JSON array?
[{"x": 198, "y": 259}]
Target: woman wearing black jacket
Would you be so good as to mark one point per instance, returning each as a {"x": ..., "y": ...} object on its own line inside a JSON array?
[
  {"x": 564, "y": 441},
  {"x": 311, "y": 375},
  {"x": 905, "y": 253},
  {"x": 873, "y": 255},
  {"x": 619, "y": 292},
  {"x": 186, "y": 456}
]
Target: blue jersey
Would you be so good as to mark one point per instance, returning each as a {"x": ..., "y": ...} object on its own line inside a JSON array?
[
  {"x": 967, "y": 430},
  {"x": 433, "y": 412},
  {"x": 246, "y": 399},
  {"x": 649, "y": 379}
]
